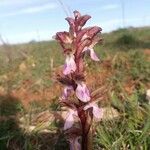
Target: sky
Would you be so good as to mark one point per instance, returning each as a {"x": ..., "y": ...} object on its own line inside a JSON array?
[{"x": 26, "y": 20}]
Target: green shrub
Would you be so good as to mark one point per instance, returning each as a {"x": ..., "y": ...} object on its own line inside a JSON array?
[{"x": 127, "y": 41}]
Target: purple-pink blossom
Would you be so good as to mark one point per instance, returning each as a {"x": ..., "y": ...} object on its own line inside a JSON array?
[
  {"x": 70, "y": 65},
  {"x": 92, "y": 53},
  {"x": 97, "y": 112},
  {"x": 75, "y": 44},
  {"x": 66, "y": 92},
  {"x": 69, "y": 121},
  {"x": 82, "y": 92}
]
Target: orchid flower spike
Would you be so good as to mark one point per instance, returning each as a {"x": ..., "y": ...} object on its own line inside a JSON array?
[
  {"x": 70, "y": 119},
  {"x": 70, "y": 65},
  {"x": 82, "y": 92},
  {"x": 97, "y": 112}
]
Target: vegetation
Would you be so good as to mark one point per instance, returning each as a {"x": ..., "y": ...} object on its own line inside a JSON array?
[{"x": 28, "y": 88}]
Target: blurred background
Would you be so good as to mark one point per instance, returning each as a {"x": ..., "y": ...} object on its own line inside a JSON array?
[{"x": 30, "y": 60}]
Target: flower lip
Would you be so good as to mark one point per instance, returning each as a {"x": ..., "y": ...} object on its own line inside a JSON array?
[
  {"x": 82, "y": 92},
  {"x": 67, "y": 92},
  {"x": 92, "y": 53},
  {"x": 97, "y": 112},
  {"x": 70, "y": 118},
  {"x": 70, "y": 65}
]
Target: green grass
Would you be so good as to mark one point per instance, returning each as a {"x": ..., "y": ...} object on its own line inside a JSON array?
[{"x": 130, "y": 131}]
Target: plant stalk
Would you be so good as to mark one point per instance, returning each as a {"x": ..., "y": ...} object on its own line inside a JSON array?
[{"x": 87, "y": 141}]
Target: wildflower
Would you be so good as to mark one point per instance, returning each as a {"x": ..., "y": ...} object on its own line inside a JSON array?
[
  {"x": 75, "y": 44},
  {"x": 70, "y": 119},
  {"x": 97, "y": 112},
  {"x": 82, "y": 92},
  {"x": 91, "y": 50},
  {"x": 92, "y": 53},
  {"x": 70, "y": 65},
  {"x": 66, "y": 92}
]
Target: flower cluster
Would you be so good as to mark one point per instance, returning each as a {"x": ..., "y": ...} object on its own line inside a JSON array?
[{"x": 77, "y": 43}]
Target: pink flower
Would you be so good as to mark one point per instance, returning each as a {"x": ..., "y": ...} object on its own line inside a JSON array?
[
  {"x": 92, "y": 53},
  {"x": 97, "y": 112},
  {"x": 70, "y": 119},
  {"x": 74, "y": 143},
  {"x": 82, "y": 92},
  {"x": 70, "y": 65},
  {"x": 91, "y": 50},
  {"x": 66, "y": 92}
]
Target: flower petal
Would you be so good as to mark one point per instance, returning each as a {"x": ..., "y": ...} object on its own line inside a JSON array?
[
  {"x": 70, "y": 119},
  {"x": 87, "y": 106},
  {"x": 67, "y": 91},
  {"x": 97, "y": 112},
  {"x": 93, "y": 55},
  {"x": 82, "y": 20},
  {"x": 70, "y": 65},
  {"x": 63, "y": 37},
  {"x": 82, "y": 92},
  {"x": 71, "y": 22},
  {"x": 93, "y": 31}
]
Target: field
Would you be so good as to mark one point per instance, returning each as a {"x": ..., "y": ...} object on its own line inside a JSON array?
[{"x": 30, "y": 117}]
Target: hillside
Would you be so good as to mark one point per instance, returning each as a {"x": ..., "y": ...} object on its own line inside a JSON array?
[{"x": 29, "y": 90}]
